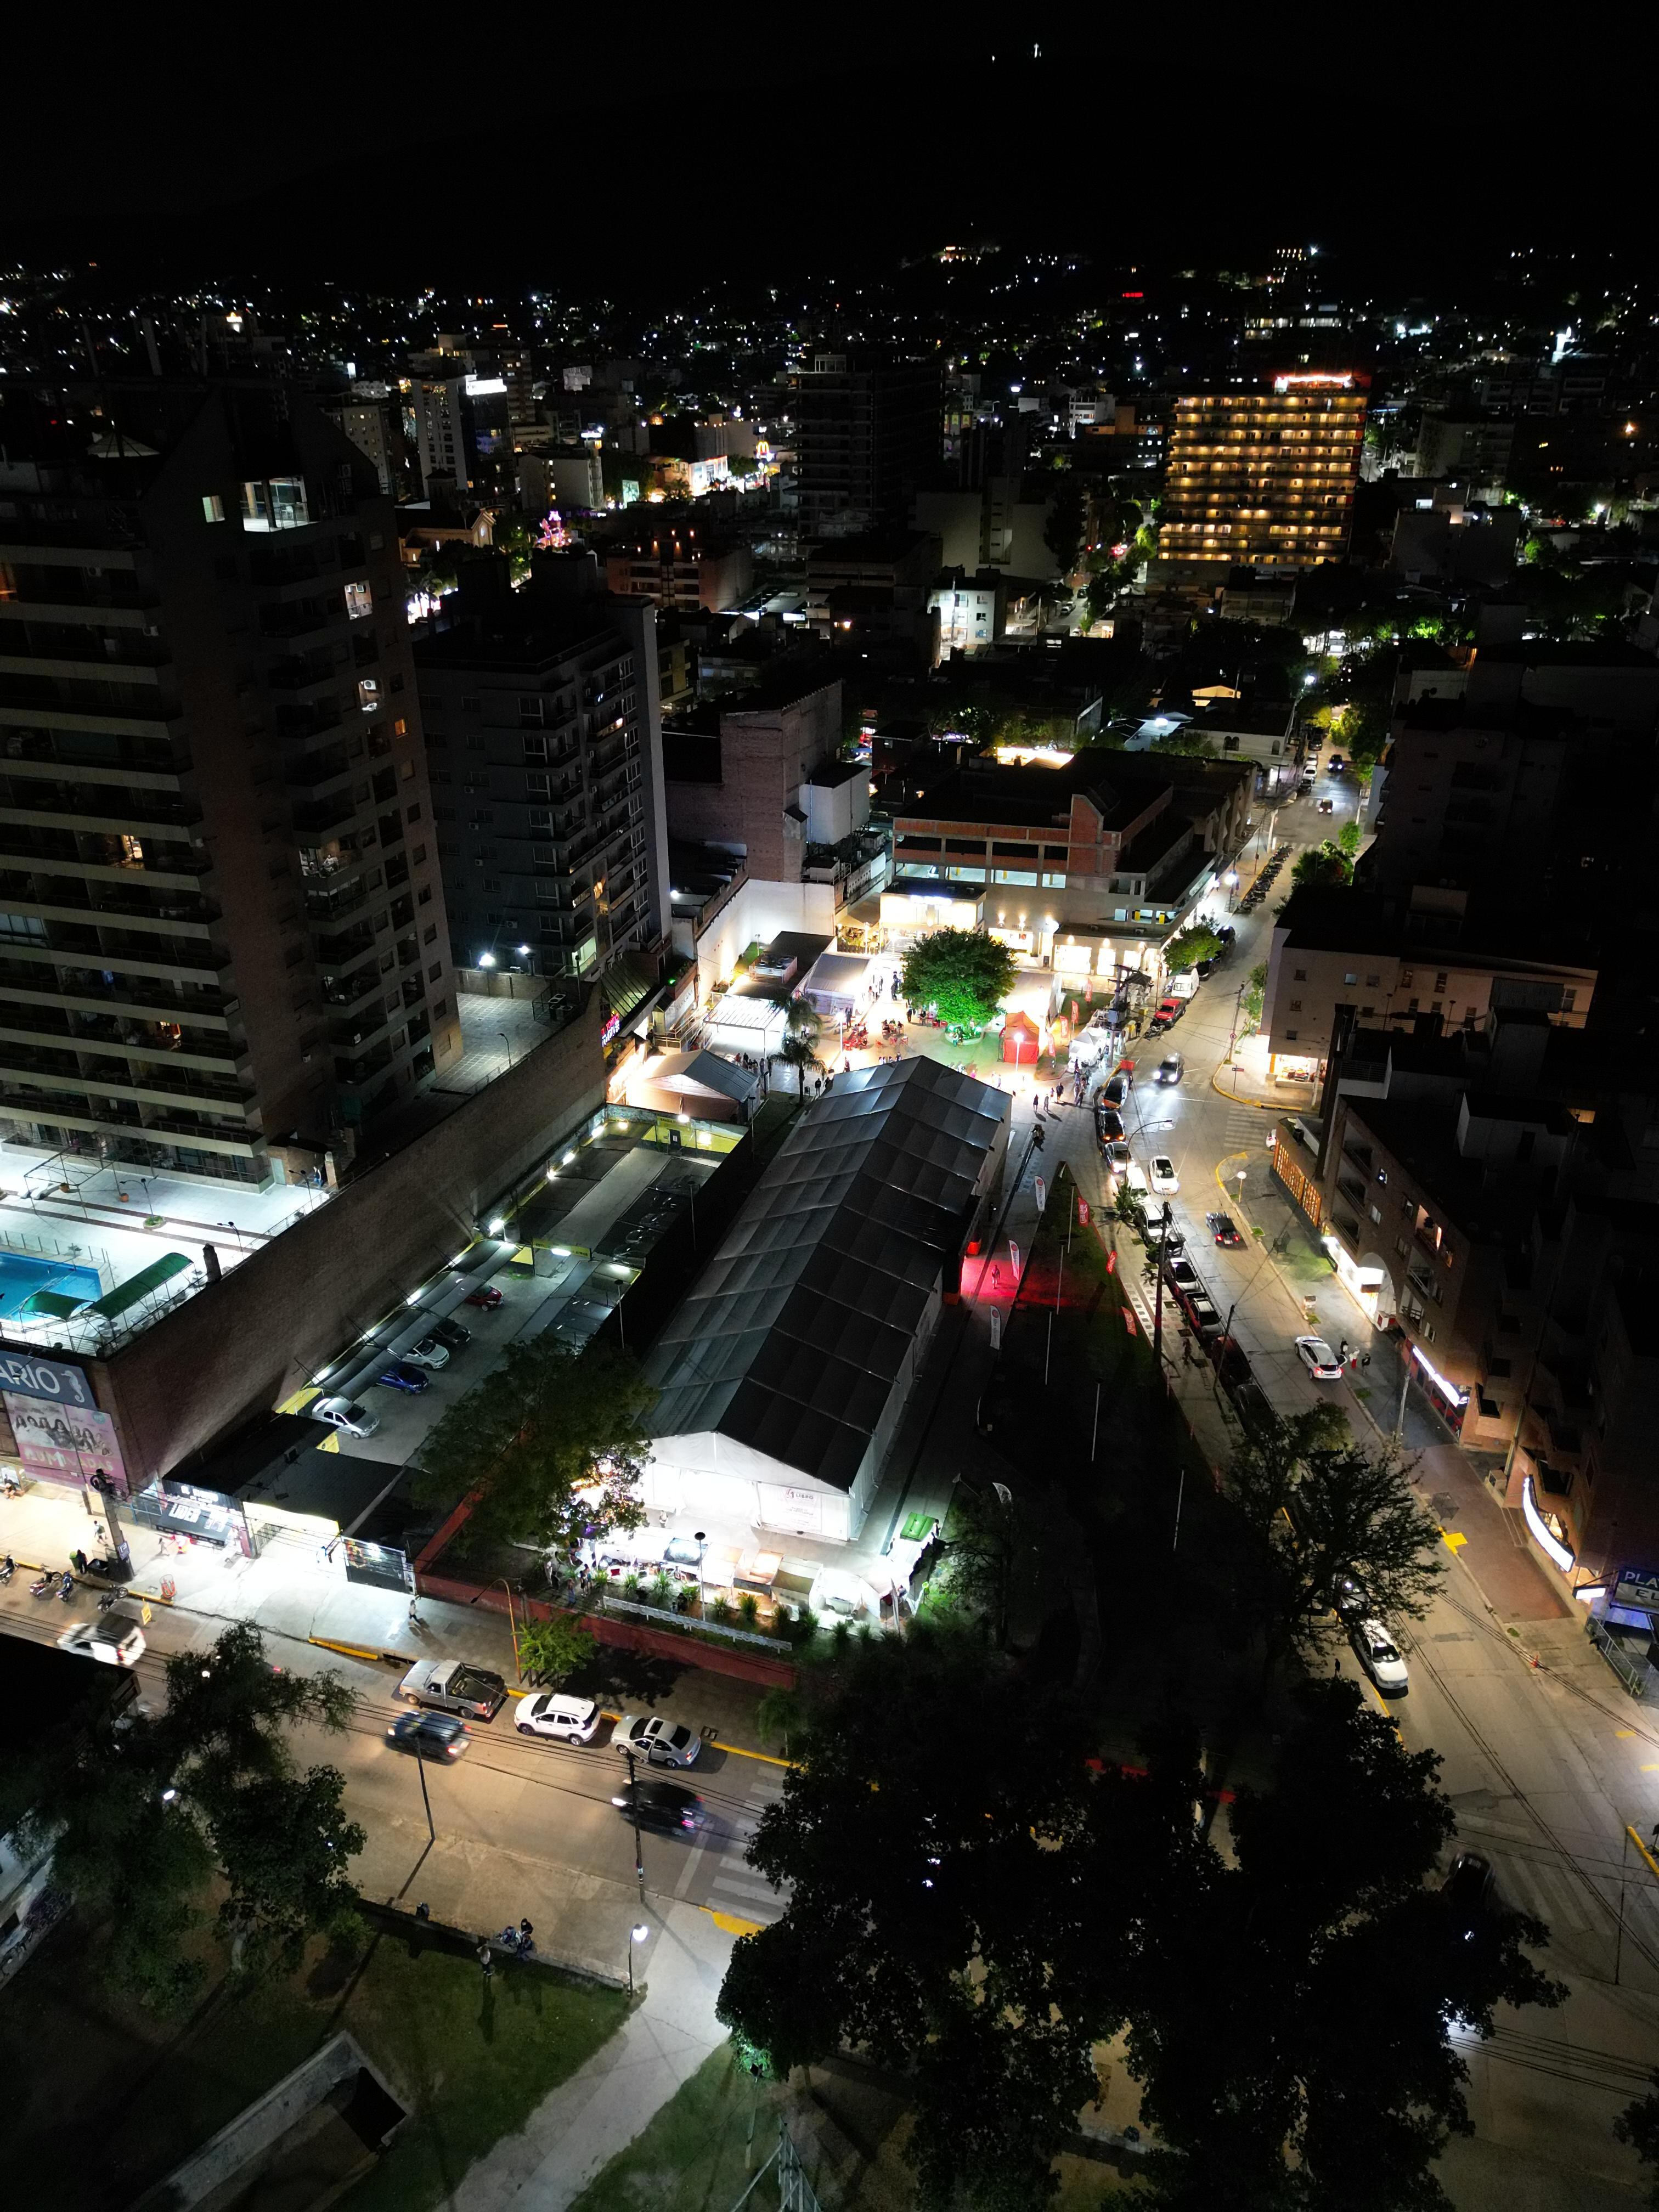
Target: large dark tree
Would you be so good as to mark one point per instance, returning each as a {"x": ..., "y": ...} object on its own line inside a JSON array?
[
  {"x": 978, "y": 1920},
  {"x": 549, "y": 1442},
  {"x": 1062, "y": 530},
  {"x": 1290, "y": 2021},
  {"x": 955, "y": 1896},
  {"x": 148, "y": 1814}
]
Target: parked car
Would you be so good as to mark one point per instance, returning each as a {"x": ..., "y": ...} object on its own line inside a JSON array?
[
  {"x": 400, "y": 1376},
  {"x": 114, "y": 1639},
  {"x": 1109, "y": 1124},
  {"x": 1320, "y": 1362},
  {"x": 1170, "y": 1068},
  {"x": 428, "y": 1736},
  {"x": 452, "y": 1686},
  {"x": 1204, "y": 1314},
  {"x": 1232, "y": 1366},
  {"x": 1223, "y": 1229},
  {"x": 488, "y": 1296},
  {"x": 1257, "y": 1416},
  {"x": 1131, "y": 1170},
  {"x": 430, "y": 1352},
  {"x": 685, "y": 1551},
  {"x": 344, "y": 1413},
  {"x": 1121, "y": 1160},
  {"x": 1164, "y": 1179},
  {"x": 1114, "y": 1093},
  {"x": 654, "y": 1737},
  {"x": 452, "y": 1333},
  {"x": 570, "y": 1720},
  {"x": 1379, "y": 1655},
  {"x": 1348, "y": 1602},
  {"x": 1184, "y": 1275},
  {"x": 659, "y": 1805},
  {"x": 1226, "y": 932}
]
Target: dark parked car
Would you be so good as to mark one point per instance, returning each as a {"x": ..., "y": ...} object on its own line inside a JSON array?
[
  {"x": 452, "y": 1333},
  {"x": 400, "y": 1376},
  {"x": 1109, "y": 1125},
  {"x": 659, "y": 1805},
  {"x": 1114, "y": 1092}
]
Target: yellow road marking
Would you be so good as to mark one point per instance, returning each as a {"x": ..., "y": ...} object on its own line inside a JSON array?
[
  {"x": 1624, "y": 1731},
  {"x": 1653, "y": 1863},
  {"x": 1652, "y": 1766},
  {"x": 729, "y": 1924},
  {"x": 1453, "y": 1542}
]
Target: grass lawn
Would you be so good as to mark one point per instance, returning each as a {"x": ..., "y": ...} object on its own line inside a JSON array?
[
  {"x": 104, "y": 2098},
  {"x": 691, "y": 2156}
]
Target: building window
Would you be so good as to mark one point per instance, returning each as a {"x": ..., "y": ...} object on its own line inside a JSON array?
[
  {"x": 213, "y": 508},
  {"x": 1296, "y": 1005},
  {"x": 413, "y": 813},
  {"x": 1299, "y": 975},
  {"x": 369, "y": 693},
  {"x": 1290, "y": 1035},
  {"x": 1351, "y": 979},
  {"x": 430, "y": 937},
  {"x": 359, "y": 601},
  {"x": 1013, "y": 876},
  {"x": 434, "y": 971},
  {"x": 1053, "y": 880},
  {"x": 278, "y": 505}
]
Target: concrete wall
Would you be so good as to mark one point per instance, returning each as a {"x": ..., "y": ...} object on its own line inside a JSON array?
[
  {"x": 755, "y": 915},
  {"x": 247, "y": 1342}
]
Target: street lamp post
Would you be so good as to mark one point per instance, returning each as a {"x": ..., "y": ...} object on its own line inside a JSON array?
[
  {"x": 508, "y": 1041},
  {"x": 636, "y": 1934},
  {"x": 420, "y": 1768}
]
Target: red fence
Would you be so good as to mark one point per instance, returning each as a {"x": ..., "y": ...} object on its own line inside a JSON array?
[{"x": 744, "y": 1664}]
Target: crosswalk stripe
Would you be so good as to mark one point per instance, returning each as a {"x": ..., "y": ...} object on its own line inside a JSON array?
[{"x": 748, "y": 1885}]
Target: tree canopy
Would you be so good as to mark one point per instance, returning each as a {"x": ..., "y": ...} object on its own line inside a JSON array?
[
  {"x": 549, "y": 1443},
  {"x": 961, "y": 974},
  {"x": 147, "y": 1812},
  {"x": 1318, "y": 1510},
  {"x": 980, "y": 1923},
  {"x": 1198, "y": 941},
  {"x": 1321, "y": 864}
]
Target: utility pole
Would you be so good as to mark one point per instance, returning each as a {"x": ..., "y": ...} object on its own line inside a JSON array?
[
  {"x": 420, "y": 1768},
  {"x": 1405, "y": 1385}
]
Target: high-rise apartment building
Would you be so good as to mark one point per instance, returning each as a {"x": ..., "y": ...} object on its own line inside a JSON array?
[
  {"x": 222, "y": 930},
  {"x": 1264, "y": 478},
  {"x": 544, "y": 734},
  {"x": 866, "y": 435}
]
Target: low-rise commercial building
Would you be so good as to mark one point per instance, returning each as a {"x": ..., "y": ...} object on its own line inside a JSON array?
[{"x": 1436, "y": 955}]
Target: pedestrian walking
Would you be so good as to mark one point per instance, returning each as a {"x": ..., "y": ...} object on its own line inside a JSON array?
[
  {"x": 996, "y": 1285},
  {"x": 78, "y": 1561},
  {"x": 415, "y": 1613},
  {"x": 486, "y": 1958}
]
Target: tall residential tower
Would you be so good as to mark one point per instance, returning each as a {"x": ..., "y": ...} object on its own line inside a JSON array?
[{"x": 222, "y": 934}]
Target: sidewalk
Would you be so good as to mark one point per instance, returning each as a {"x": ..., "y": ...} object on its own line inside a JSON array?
[{"x": 585, "y": 2122}]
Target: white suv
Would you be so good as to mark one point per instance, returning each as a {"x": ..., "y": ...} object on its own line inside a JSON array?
[{"x": 572, "y": 1720}]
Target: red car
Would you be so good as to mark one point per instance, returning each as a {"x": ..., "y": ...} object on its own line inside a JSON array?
[{"x": 489, "y": 1298}]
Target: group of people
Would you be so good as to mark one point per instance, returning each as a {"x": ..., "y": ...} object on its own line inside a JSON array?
[{"x": 519, "y": 1940}]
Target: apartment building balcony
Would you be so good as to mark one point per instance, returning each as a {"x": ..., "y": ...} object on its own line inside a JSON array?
[
  {"x": 334, "y": 904},
  {"x": 338, "y": 949},
  {"x": 362, "y": 1068},
  {"x": 317, "y": 619},
  {"x": 314, "y": 817},
  {"x": 319, "y": 775},
  {"x": 348, "y": 1032},
  {"x": 347, "y": 991},
  {"x": 116, "y": 1081},
  {"x": 300, "y": 718}
]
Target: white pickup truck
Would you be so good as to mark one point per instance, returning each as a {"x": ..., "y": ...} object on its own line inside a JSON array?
[{"x": 452, "y": 1686}]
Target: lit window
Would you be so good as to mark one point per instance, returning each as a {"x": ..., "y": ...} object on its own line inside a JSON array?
[
  {"x": 369, "y": 693},
  {"x": 213, "y": 508},
  {"x": 278, "y": 505},
  {"x": 360, "y": 601}
]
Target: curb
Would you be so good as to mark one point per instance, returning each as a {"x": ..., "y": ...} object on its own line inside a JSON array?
[{"x": 359, "y": 1651}]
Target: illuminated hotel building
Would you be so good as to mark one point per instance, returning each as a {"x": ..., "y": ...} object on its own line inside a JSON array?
[{"x": 1264, "y": 478}]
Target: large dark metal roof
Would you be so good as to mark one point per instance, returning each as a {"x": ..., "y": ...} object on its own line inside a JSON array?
[{"x": 793, "y": 1336}]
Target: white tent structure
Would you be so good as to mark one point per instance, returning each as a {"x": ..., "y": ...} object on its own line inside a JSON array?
[
  {"x": 742, "y": 1023},
  {"x": 783, "y": 1375},
  {"x": 699, "y": 1084}
]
